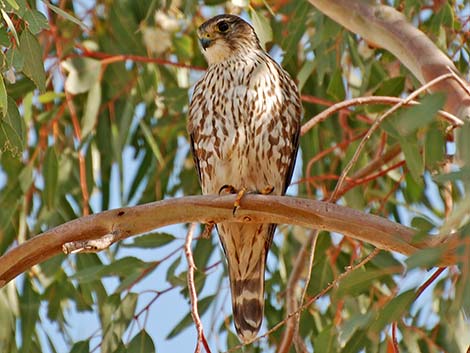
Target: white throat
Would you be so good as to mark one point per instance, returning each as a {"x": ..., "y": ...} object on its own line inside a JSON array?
[{"x": 219, "y": 51}]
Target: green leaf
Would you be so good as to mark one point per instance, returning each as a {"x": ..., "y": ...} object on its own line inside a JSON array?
[
  {"x": 13, "y": 4},
  {"x": 327, "y": 340},
  {"x": 184, "y": 47},
  {"x": 391, "y": 87},
  {"x": 81, "y": 347},
  {"x": 141, "y": 343},
  {"x": 262, "y": 27},
  {"x": 462, "y": 174},
  {"x": 355, "y": 323},
  {"x": 51, "y": 175},
  {"x": 203, "y": 305},
  {"x": 322, "y": 273},
  {"x": 12, "y": 130},
  {"x": 33, "y": 64},
  {"x": 414, "y": 159},
  {"x": 434, "y": 147},
  {"x": 409, "y": 120},
  {"x": 65, "y": 15},
  {"x": 335, "y": 87},
  {"x": 152, "y": 240},
  {"x": 29, "y": 310},
  {"x": 393, "y": 310},
  {"x": 305, "y": 72},
  {"x": 149, "y": 137},
  {"x": 360, "y": 280},
  {"x": 92, "y": 107},
  {"x": 15, "y": 59},
  {"x": 3, "y": 98},
  {"x": 50, "y": 97},
  {"x": 4, "y": 38},
  {"x": 424, "y": 258},
  {"x": 122, "y": 267},
  {"x": 463, "y": 144},
  {"x": 83, "y": 74},
  {"x": 10, "y": 25},
  {"x": 36, "y": 21}
]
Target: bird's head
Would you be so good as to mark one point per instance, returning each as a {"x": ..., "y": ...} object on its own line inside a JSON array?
[{"x": 226, "y": 36}]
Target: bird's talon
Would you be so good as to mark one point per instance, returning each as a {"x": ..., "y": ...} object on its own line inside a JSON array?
[
  {"x": 228, "y": 188},
  {"x": 267, "y": 190}
]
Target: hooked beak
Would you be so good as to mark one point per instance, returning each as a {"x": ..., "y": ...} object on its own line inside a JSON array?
[
  {"x": 205, "y": 42},
  {"x": 204, "y": 38}
]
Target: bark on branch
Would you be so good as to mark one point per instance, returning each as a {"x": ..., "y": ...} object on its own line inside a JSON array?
[{"x": 129, "y": 221}]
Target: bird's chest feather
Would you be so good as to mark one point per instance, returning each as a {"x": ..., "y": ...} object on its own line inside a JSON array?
[{"x": 238, "y": 116}]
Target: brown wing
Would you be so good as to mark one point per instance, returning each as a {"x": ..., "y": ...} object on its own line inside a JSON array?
[
  {"x": 290, "y": 170},
  {"x": 195, "y": 159}
]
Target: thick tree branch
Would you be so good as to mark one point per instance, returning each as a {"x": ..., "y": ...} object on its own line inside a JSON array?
[
  {"x": 129, "y": 221},
  {"x": 387, "y": 28}
]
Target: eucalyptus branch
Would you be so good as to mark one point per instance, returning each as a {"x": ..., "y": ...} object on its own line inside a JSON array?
[{"x": 129, "y": 221}]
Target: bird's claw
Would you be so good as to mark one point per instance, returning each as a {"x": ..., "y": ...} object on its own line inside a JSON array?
[
  {"x": 240, "y": 193},
  {"x": 230, "y": 189}
]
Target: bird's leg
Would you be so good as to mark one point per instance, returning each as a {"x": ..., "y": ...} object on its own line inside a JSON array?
[
  {"x": 265, "y": 191},
  {"x": 236, "y": 204},
  {"x": 206, "y": 234}
]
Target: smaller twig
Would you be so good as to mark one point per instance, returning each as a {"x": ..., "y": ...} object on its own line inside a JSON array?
[
  {"x": 452, "y": 119},
  {"x": 192, "y": 291},
  {"x": 395, "y": 346},
  {"x": 459, "y": 80},
  {"x": 377, "y": 123},
  {"x": 292, "y": 305},
  {"x": 431, "y": 279}
]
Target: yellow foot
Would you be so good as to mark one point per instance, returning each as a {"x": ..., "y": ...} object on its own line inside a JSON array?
[{"x": 236, "y": 204}]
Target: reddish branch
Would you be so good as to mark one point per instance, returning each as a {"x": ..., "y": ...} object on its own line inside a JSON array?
[
  {"x": 110, "y": 58},
  {"x": 201, "y": 338}
]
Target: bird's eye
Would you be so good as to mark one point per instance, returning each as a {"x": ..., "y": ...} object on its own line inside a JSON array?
[{"x": 222, "y": 26}]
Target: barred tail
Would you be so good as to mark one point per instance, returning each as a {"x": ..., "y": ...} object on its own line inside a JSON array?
[
  {"x": 246, "y": 247},
  {"x": 248, "y": 303}
]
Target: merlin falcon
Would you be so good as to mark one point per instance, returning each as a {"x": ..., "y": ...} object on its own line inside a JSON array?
[{"x": 244, "y": 123}]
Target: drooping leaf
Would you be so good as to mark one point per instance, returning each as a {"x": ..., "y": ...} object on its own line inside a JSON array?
[
  {"x": 262, "y": 27},
  {"x": 424, "y": 258},
  {"x": 141, "y": 343},
  {"x": 36, "y": 21},
  {"x": 33, "y": 68},
  {"x": 91, "y": 109},
  {"x": 51, "y": 175},
  {"x": 203, "y": 304},
  {"x": 152, "y": 240},
  {"x": 65, "y": 14},
  {"x": 413, "y": 157}
]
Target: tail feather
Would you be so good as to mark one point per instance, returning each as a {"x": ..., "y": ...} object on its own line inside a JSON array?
[
  {"x": 246, "y": 247},
  {"x": 248, "y": 306}
]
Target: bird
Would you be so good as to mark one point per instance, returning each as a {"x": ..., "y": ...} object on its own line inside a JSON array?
[{"x": 244, "y": 125}]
